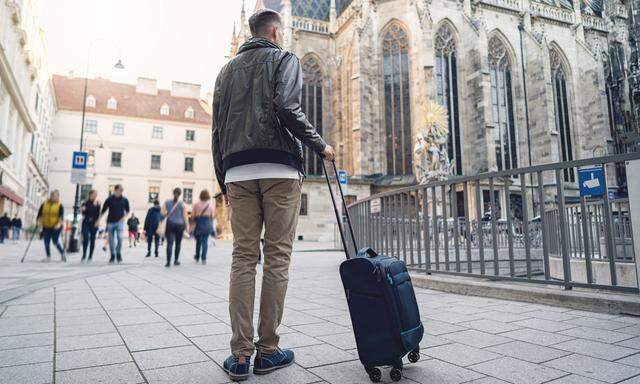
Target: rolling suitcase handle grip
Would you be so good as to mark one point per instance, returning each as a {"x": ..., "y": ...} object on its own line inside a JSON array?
[{"x": 335, "y": 208}]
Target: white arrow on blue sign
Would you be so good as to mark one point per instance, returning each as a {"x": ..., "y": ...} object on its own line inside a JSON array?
[{"x": 342, "y": 176}]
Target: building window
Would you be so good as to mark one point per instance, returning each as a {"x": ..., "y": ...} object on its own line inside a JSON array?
[
  {"x": 116, "y": 159},
  {"x": 156, "y": 161},
  {"x": 395, "y": 47},
  {"x": 91, "y": 101},
  {"x": 188, "y": 164},
  {"x": 112, "y": 103},
  {"x": 91, "y": 126},
  {"x": 164, "y": 110},
  {"x": 157, "y": 133},
  {"x": 118, "y": 129},
  {"x": 189, "y": 113},
  {"x": 502, "y": 106},
  {"x": 154, "y": 193},
  {"x": 447, "y": 91},
  {"x": 312, "y": 92},
  {"x": 562, "y": 112},
  {"x": 187, "y": 195},
  {"x": 304, "y": 204},
  {"x": 190, "y": 135},
  {"x": 84, "y": 191}
]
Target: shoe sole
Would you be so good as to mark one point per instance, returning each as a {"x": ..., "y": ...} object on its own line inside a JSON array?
[
  {"x": 269, "y": 370},
  {"x": 235, "y": 377}
]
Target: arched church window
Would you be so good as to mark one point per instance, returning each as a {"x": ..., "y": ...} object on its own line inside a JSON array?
[
  {"x": 395, "y": 46},
  {"x": 312, "y": 107},
  {"x": 447, "y": 90},
  {"x": 562, "y": 111},
  {"x": 502, "y": 106}
]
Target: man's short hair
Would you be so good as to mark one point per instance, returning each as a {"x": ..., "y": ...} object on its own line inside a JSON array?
[{"x": 261, "y": 21}]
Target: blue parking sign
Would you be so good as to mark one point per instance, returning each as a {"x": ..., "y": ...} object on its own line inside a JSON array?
[
  {"x": 79, "y": 160},
  {"x": 342, "y": 176},
  {"x": 591, "y": 181}
]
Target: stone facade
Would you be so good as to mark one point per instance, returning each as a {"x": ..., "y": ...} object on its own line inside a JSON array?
[
  {"x": 27, "y": 107},
  {"x": 537, "y": 42}
]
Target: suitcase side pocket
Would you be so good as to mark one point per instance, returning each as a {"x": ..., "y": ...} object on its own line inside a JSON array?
[{"x": 371, "y": 325}]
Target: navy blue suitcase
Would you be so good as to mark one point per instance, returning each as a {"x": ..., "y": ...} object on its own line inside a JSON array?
[{"x": 382, "y": 303}]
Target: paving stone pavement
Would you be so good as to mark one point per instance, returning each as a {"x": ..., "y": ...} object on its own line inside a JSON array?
[{"x": 143, "y": 323}]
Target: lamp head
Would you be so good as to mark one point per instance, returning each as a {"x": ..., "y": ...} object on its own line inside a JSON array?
[{"x": 119, "y": 65}]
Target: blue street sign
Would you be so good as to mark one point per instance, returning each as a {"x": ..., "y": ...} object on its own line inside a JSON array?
[
  {"x": 591, "y": 181},
  {"x": 342, "y": 176},
  {"x": 79, "y": 160}
]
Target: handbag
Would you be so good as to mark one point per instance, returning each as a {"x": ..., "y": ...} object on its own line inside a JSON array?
[{"x": 162, "y": 227}]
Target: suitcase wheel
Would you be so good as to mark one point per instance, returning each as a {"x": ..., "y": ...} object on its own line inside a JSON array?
[
  {"x": 396, "y": 374},
  {"x": 414, "y": 355},
  {"x": 374, "y": 374}
]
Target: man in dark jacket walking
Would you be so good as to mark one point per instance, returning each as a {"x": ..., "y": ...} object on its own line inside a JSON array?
[
  {"x": 118, "y": 207},
  {"x": 5, "y": 224},
  {"x": 258, "y": 127},
  {"x": 151, "y": 223}
]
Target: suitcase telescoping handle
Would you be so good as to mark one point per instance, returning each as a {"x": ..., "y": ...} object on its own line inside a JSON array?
[{"x": 335, "y": 208}]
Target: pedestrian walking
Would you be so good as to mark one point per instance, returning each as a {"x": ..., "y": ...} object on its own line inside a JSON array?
[
  {"x": 118, "y": 207},
  {"x": 132, "y": 225},
  {"x": 5, "y": 224},
  {"x": 90, "y": 222},
  {"x": 203, "y": 212},
  {"x": 16, "y": 228},
  {"x": 50, "y": 218},
  {"x": 258, "y": 126},
  {"x": 176, "y": 220},
  {"x": 151, "y": 222}
]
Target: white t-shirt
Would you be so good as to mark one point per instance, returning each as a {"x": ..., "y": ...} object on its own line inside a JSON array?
[{"x": 260, "y": 171}]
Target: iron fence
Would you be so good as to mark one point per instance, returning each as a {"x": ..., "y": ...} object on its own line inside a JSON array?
[{"x": 527, "y": 224}]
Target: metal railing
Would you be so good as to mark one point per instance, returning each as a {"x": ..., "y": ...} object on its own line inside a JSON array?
[{"x": 546, "y": 233}]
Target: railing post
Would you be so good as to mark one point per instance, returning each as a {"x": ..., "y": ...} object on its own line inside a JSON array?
[
  {"x": 494, "y": 232},
  {"x": 609, "y": 235},
  {"x": 525, "y": 223},
  {"x": 543, "y": 226},
  {"x": 479, "y": 229},
  {"x": 467, "y": 226},
  {"x": 566, "y": 259}
]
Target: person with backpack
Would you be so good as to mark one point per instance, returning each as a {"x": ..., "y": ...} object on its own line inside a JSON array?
[
  {"x": 90, "y": 220},
  {"x": 151, "y": 223},
  {"x": 203, "y": 213},
  {"x": 258, "y": 127},
  {"x": 132, "y": 225},
  {"x": 118, "y": 207},
  {"x": 176, "y": 219},
  {"x": 51, "y": 218}
]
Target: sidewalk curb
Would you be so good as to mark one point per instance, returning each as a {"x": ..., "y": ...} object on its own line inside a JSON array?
[{"x": 595, "y": 301}]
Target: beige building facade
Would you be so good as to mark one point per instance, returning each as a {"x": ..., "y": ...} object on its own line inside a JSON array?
[{"x": 147, "y": 139}]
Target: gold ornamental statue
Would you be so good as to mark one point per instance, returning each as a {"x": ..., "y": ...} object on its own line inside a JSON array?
[{"x": 431, "y": 157}]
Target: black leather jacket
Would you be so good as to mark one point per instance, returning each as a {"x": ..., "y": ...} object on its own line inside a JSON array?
[{"x": 257, "y": 115}]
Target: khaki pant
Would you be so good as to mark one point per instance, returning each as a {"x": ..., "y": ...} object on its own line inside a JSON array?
[{"x": 276, "y": 204}]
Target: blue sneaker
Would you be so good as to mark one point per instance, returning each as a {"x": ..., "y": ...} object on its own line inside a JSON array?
[
  {"x": 266, "y": 363},
  {"x": 237, "y": 371}
]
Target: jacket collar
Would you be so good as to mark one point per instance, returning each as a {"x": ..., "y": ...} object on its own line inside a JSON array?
[{"x": 257, "y": 42}]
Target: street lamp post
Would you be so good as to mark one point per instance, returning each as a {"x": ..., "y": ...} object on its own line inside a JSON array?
[{"x": 73, "y": 241}]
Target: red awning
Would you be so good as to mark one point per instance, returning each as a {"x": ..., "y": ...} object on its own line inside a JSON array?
[{"x": 9, "y": 194}]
